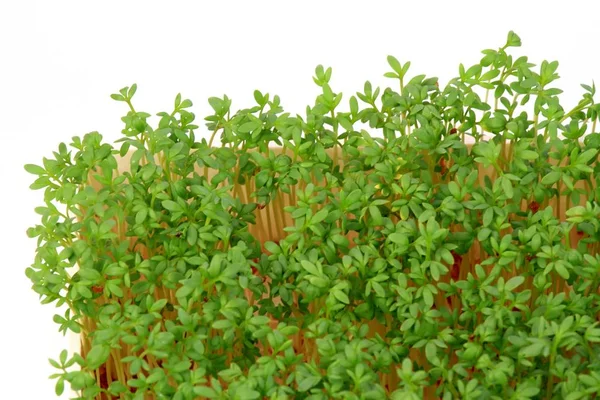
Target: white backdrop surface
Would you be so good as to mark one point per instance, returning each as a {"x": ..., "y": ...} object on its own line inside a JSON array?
[{"x": 60, "y": 61}]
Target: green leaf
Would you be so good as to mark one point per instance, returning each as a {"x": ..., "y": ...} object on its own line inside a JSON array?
[
  {"x": 63, "y": 356},
  {"x": 117, "y": 97},
  {"x": 431, "y": 352},
  {"x": 171, "y": 206},
  {"x": 248, "y": 127},
  {"x": 192, "y": 235},
  {"x": 106, "y": 226},
  {"x": 205, "y": 392},
  {"x": 533, "y": 350},
  {"x": 308, "y": 382},
  {"x": 97, "y": 356},
  {"x": 529, "y": 83},
  {"x": 195, "y": 260},
  {"x": 60, "y": 387},
  {"x": 586, "y": 156},
  {"x": 245, "y": 392},
  {"x": 158, "y": 305},
  {"x": 551, "y": 178},
  {"x": 491, "y": 74},
  {"x": 395, "y": 64},
  {"x": 34, "y": 169},
  {"x": 217, "y": 104},
  {"x": 528, "y": 155},
  {"x": 271, "y": 247},
  {"x": 513, "y": 40},
  {"x": 561, "y": 270},
  {"x": 528, "y": 392},
  {"x": 187, "y": 103},
  {"x": 114, "y": 288},
  {"x": 514, "y": 283},
  {"x": 54, "y": 363},
  {"x": 488, "y": 216},
  {"x": 379, "y": 290},
  {"x": 375, "y": 214},
  {"x": 132, "y": 91},
  {"x": 398, "y": 238},
  {"x": 84, "y": 291},
  {"x": 222, "y": 324},
  {"x": 341, "y": 296},
  {"x": 259, "y": 320},
  {"x": 507, "y": 187},
  {"x": 454, "y": 189},
  {"x": 310, "y": 267},
  {"x": 319, "y": 282},
  {"x": 319, "y": 216},
  {"x": 259, "y": 98},
  {"x": 89, "y": 274},
  {"x": 141, "y": 215}
]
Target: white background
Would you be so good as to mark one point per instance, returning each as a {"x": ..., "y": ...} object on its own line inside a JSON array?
[{"x": 60, "y": 61}]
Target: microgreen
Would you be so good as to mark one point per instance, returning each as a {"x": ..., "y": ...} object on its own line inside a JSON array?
[{"x": 411, "y": 242}]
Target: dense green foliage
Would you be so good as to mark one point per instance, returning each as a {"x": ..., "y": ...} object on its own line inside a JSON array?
[{"x": 427, "y": 242}]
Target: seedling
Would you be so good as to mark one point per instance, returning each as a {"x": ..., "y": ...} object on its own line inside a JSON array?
[{"x": 411, "y": 242}]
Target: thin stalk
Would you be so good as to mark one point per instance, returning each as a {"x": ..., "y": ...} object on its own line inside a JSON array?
[
  {"x": 558, "y": 202},
  {"x": 550, "y": 383},
  {"x": 281, "y": 217},
  {"x": 575, "y": 110},
  {"x": 210, "y": 144},
  {"x": 260, "y": 225},
  {"x": 267, "y": 211},
  {"x": 335, "y": 145},
  {"x": 108, "y": 371}
]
